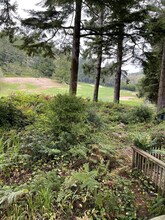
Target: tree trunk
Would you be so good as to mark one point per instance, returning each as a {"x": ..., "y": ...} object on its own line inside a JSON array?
[
  {"x": 161, "y": 93},
  {"x": 119, "y": 66},
  {"x": 99, "y": 61},
  {"x": 76, "y": 49}
]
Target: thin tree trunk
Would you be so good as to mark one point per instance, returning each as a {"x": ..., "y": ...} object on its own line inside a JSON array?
[
  {"x": 99, "y": 61},
  {"x": 76, "y": 49},
  {"x": 119, "y": 66},
  {"x": 98, "y": 74},
  {"x": 161, "y": 93}
]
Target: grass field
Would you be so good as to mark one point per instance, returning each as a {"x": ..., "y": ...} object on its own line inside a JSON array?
[{"x": 51, "y": 87}]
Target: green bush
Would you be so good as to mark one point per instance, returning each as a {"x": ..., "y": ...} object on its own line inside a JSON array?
[
  {"x": 28, "y": 108},
  {"x": 158, "y": 139},
  {"x": 68, "y": 119},
  {"x": 94, "y": 118},
  {"x": 117, "y": 112},
  {"x": 142, "y": 114},
  {"x": 143, "y": 141},
  {"x": 10, "y": 115},
  {"x": 139, "y": 114}
]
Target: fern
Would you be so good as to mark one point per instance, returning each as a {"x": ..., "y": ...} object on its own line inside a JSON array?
[
  {"x": 12, "y": 196},
  {"x": 84, "y": 178},
  {"x": 158, "y": 208},
  {"x": 79, "y": 152}
]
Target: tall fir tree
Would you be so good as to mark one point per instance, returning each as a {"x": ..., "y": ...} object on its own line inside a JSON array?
[
  {"x": 8, "y": 18},
  {"x": 75, "y": 48},
  {"x": 153, "y": 84},
  {"x": 125, "y": 23}
]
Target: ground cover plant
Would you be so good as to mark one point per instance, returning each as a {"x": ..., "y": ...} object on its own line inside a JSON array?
[{"x": 65, "y": 157}]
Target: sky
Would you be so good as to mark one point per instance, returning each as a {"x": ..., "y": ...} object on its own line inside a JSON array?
[
  {"x": 26, "y": 4},
  {"x": 31, "y": 4}
]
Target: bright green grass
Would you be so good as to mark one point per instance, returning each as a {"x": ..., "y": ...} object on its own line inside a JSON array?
[
  {"x": 29, "y": 86},
  {"x": 55, "y": 91},
  {"x": 6, "y": 89},
  {"x": 84, "y": 90},
  {"x": 106, "y": 94}
]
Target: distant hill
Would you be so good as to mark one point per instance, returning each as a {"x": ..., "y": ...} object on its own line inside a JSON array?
[
  {"x": 15, "y": 62},
  {"x": 135, "y": 77}
]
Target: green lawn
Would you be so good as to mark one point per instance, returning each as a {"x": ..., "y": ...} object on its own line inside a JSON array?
[
  {"x": 84, "y": 90},
  {"x": 106, "y": 94}
]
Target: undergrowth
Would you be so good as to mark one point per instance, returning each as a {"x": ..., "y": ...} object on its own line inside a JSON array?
[{"x": 66, "y": 158}]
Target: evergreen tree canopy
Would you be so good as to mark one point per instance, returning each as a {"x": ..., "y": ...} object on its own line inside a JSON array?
[{"x": 8, "y": 18}]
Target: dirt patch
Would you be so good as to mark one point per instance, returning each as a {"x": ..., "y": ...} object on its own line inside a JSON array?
[
  {"x": 126, "y": 98},
  {"x": 43, "y": 83}
]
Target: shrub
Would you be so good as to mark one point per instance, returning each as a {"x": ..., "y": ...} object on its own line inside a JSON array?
[
  {"x": 158, "y": 139},
  {"x": 94, "y": 118},
  {"x": 138, "y": 114},
  {"x": 142, "y": 114},
  {"x": 10, "y": 115},
  {"x": 22, "y": 109},
  {"x": 68, "y": 119},
  {"x": 117, "y": 112},
  {"x": 142, "y": 141}
]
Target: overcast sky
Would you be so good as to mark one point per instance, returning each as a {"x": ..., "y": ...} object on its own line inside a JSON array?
[{"x": 26, "y": 4}]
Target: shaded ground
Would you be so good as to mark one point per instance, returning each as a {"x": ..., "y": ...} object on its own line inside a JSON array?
[{"x": 142, "y": 196}]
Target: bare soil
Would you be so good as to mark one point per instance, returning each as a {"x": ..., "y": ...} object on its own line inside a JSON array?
[
  {"x": 43, "y": 83},
  {"x": 126, "y": 98}
]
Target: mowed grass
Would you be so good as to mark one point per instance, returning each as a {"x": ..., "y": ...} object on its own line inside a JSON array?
[
  {"x": 84, "y": 90},
  {"x": 106, "y": 94}
]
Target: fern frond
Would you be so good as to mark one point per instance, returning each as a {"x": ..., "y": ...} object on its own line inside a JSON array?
[{"x": 11, "y": 197}]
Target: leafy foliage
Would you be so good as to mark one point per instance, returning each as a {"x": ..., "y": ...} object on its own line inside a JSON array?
[
  {"x": 143, "y": 141},
  {"x": 138, "y": 114},
  {"x": 158, "y": 206},
  {"x": 68, "y": 120},
  {"x": 52, "y": 168},
  {"x": 10, "y": 115}
]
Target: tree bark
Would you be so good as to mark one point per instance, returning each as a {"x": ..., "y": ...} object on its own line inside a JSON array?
[
  {"x": 76, "y": 49},
  {"x": 99, "y": 61},
  {"x": 119, "y": 66},
  {"x": 161, "y": 92}
]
